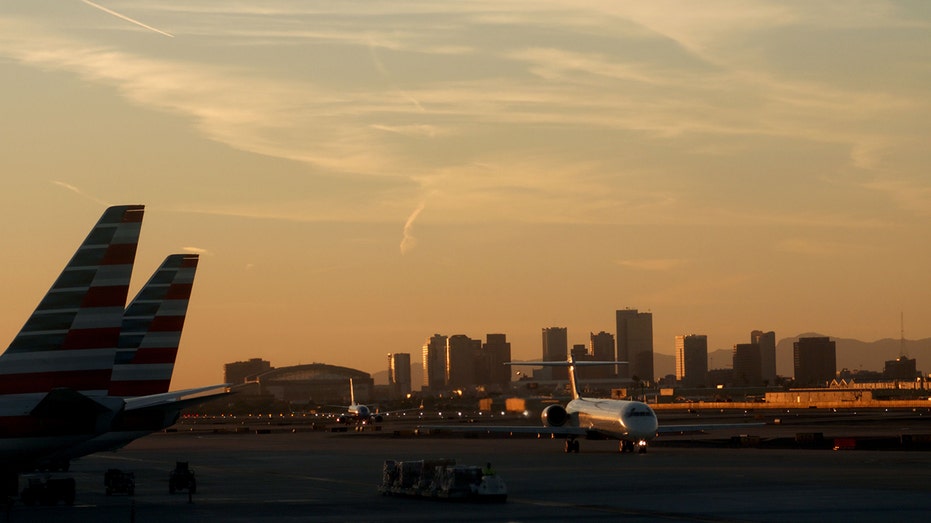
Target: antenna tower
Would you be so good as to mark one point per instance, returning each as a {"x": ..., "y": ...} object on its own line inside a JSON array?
[{"x": 902, "y": 352}]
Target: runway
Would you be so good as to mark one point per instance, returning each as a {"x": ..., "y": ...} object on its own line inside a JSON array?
[{"x": 322, "y": 476}]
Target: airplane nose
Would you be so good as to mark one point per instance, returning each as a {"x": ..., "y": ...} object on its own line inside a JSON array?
[
  {"x": 640, "y": 422},
  {"x": 642, "y": 428}
]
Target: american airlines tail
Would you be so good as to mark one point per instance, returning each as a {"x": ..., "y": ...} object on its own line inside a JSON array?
[
  {"x": 72, "y": 336},
  {"x": 151, "y": 330}
]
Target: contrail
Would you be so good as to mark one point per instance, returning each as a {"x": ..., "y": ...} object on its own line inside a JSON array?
[
  {"x": 408, "y": 241},
  {"x": 78, "y": 191},
  {"x": 128, "y": 19}
]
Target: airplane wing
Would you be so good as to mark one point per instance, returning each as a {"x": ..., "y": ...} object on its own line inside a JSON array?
[
  {"x": 566, "y": 431},
  {"x": 675, "y": 429},
  {"x": 512, "y": 429},
  {"x": 176, "y": 397},
  {"x": 398, "y": 411}
]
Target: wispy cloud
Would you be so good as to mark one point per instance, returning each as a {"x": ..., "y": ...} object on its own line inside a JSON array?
[
  {"x": 656, "y": 264},
  {"x": 805, "y": 246},
  {"x": 711, "y": 98}
]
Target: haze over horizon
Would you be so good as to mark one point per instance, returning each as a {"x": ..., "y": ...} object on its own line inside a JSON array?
[{"x": 360, "y": 175}]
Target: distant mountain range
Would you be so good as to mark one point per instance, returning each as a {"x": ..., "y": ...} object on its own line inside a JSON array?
[{"x": 851, "y": 354}]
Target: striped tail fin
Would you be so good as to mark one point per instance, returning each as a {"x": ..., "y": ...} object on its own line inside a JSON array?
[
  {"x": 71, "y": 338},
  {"x": 151, "y": 330}
]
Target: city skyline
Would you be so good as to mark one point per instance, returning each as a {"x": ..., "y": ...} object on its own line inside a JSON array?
[{"x": 356, "y": 176}]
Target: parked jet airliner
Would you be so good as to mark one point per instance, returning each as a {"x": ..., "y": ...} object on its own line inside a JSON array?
[
  {"x": 148, "y": 347},
  {"x": 57, "y": 388}
]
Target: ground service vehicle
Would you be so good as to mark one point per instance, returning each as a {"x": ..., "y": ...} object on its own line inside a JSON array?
[
  {"x": 118, "y": 482},
  {"x": 182, "y": 478},
  {"x": 48, "y": 491}
]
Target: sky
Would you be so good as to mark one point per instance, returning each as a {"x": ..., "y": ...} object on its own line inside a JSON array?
[{"x": 359, "y": 175}]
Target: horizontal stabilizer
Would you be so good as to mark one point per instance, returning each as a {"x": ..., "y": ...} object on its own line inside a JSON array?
[
  {"x": 62, "y": 402},
  {"x": 175, "y": 397},
  {"x": 565, "y": 363}
]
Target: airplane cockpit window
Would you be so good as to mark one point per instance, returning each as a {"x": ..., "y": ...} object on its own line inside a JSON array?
[{"x": 635, "y": 411}]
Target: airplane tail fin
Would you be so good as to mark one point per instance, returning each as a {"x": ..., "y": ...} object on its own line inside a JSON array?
[
  {"x": 151, "y": 330},
  {"x": 352, "y": 393},
  {"x": 71, "y": 337},
  {"x": 573, "y": 381}
]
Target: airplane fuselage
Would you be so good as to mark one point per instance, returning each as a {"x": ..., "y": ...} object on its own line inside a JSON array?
[{"x": 620, "y": 419}]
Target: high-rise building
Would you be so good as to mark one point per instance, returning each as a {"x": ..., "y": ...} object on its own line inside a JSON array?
[
  {"x": 580, "y": 352},
  {"x": 747, "y": 367},
  {"x": 635, "y": 344},
  {"x": 901, "y": 368},
  {"x": 434, "y": 363},
  {"x": 237, "y": 372},
  {"x": 815, "y": 361},
  {"x": 555, "y": 348},
  {"x": 692, "y": 360},
  {"x": 399, "y": 373},
  {"x": 601, "y": 348},
  {"x": 462, "y": 353},
  {"x": 495, "y": 353},
  {"x": 767, "y": 343}
]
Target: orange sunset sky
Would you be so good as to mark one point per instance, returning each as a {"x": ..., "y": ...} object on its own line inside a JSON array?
[{"x": 360, "y": 175}]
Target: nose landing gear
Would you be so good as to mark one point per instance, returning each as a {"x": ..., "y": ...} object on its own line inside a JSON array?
[{"x": 629, "y": 446}]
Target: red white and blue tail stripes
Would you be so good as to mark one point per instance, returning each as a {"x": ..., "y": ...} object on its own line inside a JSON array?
[
  {"x": 71, "y": 338},
  {"x": 151, "y": 330}
]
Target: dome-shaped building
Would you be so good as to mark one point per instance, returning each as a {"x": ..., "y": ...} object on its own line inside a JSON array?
[{"x": 315, "y": 383}]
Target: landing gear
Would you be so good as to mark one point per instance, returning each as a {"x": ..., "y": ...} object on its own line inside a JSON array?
[
  {"x": 572, "y": 445},
  {"x": 629, "y": 446},
  {"x": 626, "y": 446}
]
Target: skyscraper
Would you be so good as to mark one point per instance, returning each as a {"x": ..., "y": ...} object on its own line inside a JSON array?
[
  {"x": 601, "y": 347},
  {"x": 462, "y": 353},
  {"x": 901, "y": 368},
  {"x": 495, "y": 352},
  {"x": 635, "y": 344},
  {"x": 815, "y": 361},
  {"x": 767, "y": 343},
  {"x": 747, "y": 367},
  {"x": 434, "y": 363},
  {"x": 399, "y": 373},
  {"x": 692, "y": 360},
  {"x": 555, "y": 348}
]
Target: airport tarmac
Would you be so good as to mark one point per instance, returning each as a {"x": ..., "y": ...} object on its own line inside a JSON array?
[{"x": 323, "y": 476}]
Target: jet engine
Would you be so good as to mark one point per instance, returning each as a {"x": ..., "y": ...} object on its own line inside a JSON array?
[{"x": 554, "y": 416}]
